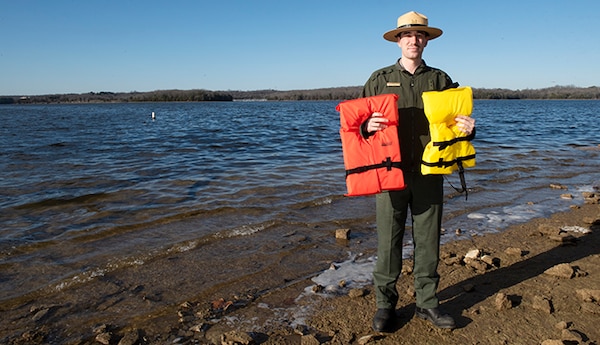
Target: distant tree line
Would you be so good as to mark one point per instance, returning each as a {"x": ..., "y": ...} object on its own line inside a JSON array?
[
  {"x": 124, "y": 97},
  {"x": 336, "y": 93}
]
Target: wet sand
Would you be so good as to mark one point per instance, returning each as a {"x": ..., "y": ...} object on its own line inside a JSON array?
[{"x": 512, "y": 299}]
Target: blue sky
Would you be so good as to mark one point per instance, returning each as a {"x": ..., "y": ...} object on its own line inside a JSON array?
[{"x": 80, "y": 46}]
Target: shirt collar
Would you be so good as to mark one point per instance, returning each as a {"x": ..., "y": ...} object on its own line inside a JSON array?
[{"x": 421, "y": 66}]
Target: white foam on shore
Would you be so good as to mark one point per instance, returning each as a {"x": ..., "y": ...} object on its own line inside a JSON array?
[
  {"x": 357, "y": 271},
  {"x": 340, "y": 277}
]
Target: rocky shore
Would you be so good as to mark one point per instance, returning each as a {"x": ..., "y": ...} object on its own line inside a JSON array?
[{"x": 533, "y": 283}]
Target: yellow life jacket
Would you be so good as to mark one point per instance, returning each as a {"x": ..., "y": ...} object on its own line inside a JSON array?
[{"x": 449, "y": 148}]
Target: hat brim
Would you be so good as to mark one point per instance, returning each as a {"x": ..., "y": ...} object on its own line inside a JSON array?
[{"x": 433, "y": 32}]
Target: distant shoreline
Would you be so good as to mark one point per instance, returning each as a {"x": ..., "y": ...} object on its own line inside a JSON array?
[{"x": 335, "y": 93}]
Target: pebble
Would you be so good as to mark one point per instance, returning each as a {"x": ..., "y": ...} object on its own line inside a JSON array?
[
  {"x": 355, "y": 293},
  {"x": 366, "y": 339},
  {"x": 342, "y": 234},
  {"x": 543, "y": 304},
  {"x": 473, "y": 254},
  {"x": 502, "y": 302},
  {"x": 561, "y": 271},
  {"x": 514, "y": 251},
  {"x": 590, "y": 307},
  {"x": 563, "y": 238},
  {"x": 571, "y": 336},
  {"x": 588, "y": 295},
  {"x": 104, "y": 338},
  {"x": 562, "y": 325},
  {"x": 552, "y": 342},
  {"x": 468, "y": 287}
]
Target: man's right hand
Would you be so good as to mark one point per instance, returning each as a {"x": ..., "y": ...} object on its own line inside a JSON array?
[{"x": 376, "y": 123}]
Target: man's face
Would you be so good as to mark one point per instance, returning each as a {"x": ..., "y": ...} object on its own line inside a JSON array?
[{"x": 412, "y": 43}]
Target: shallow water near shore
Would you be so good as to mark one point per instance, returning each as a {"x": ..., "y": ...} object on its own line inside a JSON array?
[{"x": 103, "y": 205}]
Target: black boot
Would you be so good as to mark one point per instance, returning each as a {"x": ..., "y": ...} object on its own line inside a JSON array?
[
  {"x": 384, "y": 320},
  {"x": 436, "y": 317}
]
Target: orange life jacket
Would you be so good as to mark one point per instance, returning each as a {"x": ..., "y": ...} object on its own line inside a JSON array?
[{"x": 372, "y": 164}]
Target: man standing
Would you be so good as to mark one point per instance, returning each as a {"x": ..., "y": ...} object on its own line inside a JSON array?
[{"x": 409, "y": 77}]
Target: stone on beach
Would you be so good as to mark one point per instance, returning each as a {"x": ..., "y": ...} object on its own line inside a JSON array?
[
  {"x": 589, "y": 295},
  {"x": 502, "y": 302},
  {"x": 561, "y": 271},
  {"x": 514, "y": 251},
  {"x": 543, "y": 304},
  {"x": 342, "y": 234}
]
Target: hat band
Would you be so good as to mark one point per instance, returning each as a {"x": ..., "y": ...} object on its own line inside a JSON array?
[{"x": 410, "y": 25}]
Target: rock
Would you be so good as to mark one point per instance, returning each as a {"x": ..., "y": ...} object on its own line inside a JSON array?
[
  {"x": 571, "y": 336},
  {"x": 453, "y": 260},
  {"x": 407, "y": 269},
  {"x": 563, "y": 238},
  {"x": 309, "y": 339},
  {"x": 590, "y": 198},
  {"x": 40, "y": 314},
  {"x": 588, "y": 295},
  {"x": 490, "y": 260},
  {"x": 410, "y": 291},
  {"x": 561, "y": 271},
  {"x": 543, "y": 304},
  {"x": 130, "y": 338},
  {"x": 478, "y": 265},
  {"x": 587, "y": 195},
  {"x": 502, "y": 302},
  {"x": 562, "y": 325},
  {"x": 366, "y": 339},
  {"x": 591, "y": 307},
  {"x": 567, "y": 196},
  {"x": 198, "y": 328},
  {"x": 468, "y": 287},
  {"x": 552, "y": 342},
  {"x": 236, "y": 338},
  {"x": 473, "y": 254},
  {"x": 356, "y": 293},
  {"x": 342, "y": 234},
  {"x": 514, "y": 251},
  {"x": 548, "y": 230},
  {"x": 557, "y": 186},
  {"x": 104, "y": 338}
]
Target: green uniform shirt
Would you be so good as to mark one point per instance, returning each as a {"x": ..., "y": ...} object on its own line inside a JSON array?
[{"x": 413, "y": 127}]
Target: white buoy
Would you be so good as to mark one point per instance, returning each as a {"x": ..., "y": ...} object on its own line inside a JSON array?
[{"x": 153, "y": 116}]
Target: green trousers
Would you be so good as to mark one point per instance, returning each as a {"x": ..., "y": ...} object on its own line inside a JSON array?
[{"x": 424, "y": 196}]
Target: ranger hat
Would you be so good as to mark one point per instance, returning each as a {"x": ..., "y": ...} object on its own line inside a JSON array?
[{"x": 412, "y": 21}]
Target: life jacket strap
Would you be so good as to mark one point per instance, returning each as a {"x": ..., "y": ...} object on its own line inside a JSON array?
[
  {"x": 387, "y": 163},
  {"x": 445, "y": 144},
  {"x": 461, "y": 172},
  {"x": 444, "y": 164}
]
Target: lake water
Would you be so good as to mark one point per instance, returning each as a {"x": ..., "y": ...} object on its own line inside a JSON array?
[{"x": 100, "y": 200}]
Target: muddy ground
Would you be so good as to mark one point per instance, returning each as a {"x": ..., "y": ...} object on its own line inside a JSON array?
[{"x": 533, "y": 283}]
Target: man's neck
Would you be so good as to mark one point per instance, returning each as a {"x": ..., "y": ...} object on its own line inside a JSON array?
[{"x": 411, "y": 65}]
